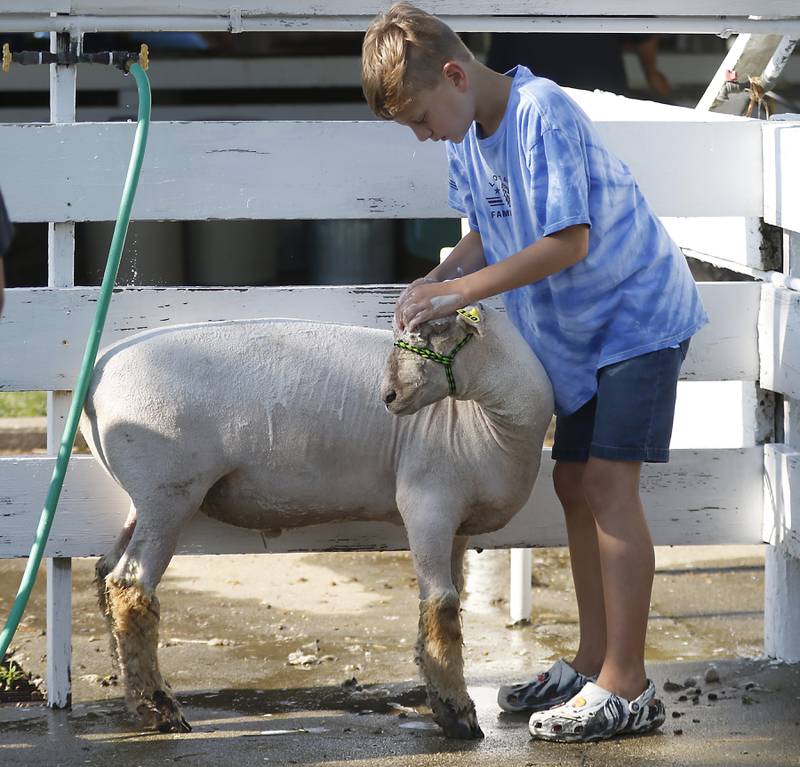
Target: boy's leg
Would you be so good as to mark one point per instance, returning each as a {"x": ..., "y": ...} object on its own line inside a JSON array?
[
  {"x": 632, "y": 423},
  {"x": 627, "y": 564},
  {"x": 584, "y": 555}
]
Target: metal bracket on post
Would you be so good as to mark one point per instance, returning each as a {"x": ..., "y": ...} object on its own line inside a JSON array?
[
  {"x": 236, "y": 26},
  {"x": 750, "y": 69}
]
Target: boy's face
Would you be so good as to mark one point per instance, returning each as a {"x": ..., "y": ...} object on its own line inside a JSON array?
[{"x": 441, "y": 113}]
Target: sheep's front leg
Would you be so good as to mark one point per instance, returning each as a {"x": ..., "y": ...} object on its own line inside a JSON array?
[{"x": 439, "y": 641}]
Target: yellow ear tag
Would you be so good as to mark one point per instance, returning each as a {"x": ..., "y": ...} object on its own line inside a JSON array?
[{"x": 470, "y": 314}]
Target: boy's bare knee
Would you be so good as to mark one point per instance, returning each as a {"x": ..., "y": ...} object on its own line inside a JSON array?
[
  {"x": 608, "y": 485},
  {"x": 568, "y": 484}
]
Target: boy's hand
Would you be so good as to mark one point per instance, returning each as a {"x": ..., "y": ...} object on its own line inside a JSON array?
[
  {"x": 425, "y": 300},
  {"x": 398, "y": 321}
]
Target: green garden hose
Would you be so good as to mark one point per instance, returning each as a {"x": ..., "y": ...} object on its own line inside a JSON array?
[{"x": 87, "y": 366}]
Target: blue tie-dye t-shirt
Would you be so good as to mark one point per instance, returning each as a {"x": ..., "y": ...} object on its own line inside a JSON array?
[{"x": 546, "y": 168}]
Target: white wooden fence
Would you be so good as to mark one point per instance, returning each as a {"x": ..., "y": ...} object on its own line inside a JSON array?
[{"x": 689, "y": 163}]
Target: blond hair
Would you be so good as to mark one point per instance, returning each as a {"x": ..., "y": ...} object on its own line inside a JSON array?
[{"x": 404, "y": 51}]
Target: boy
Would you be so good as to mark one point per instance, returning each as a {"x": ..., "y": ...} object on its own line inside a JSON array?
[{"x": 602, "y": 295}]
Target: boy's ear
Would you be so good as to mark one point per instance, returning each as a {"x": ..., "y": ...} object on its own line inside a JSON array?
[
  {"x": 455, "y": 73},
  {"x": 472, "y": 318}
]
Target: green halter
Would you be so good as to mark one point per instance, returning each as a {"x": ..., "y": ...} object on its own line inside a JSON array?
[{"x": 442, "y": 359}]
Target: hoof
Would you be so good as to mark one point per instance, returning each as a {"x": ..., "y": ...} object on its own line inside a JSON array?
[
  {"x": 163, "y": 713},
  {"x": 169, "y": 717},
  {"x": 461, "y": 730},
  {"x": 175, "y": 725},
  {"x": 461, "y": 724}
]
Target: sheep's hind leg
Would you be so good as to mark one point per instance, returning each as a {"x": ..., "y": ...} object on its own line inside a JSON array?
[
  {"x": 103, "y": 567},
  {"x": 134, "y": 611},
  {"x": 439, "y": 641}
]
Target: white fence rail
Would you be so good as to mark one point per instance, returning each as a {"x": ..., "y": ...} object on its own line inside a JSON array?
[
  {"x": 722, "y": 18},
  {"x": 485, "y": 10},
  {"x": 700, "y": 497},
  {"x": 296, "y": 170},
  {"x": 43, "y": 330}
]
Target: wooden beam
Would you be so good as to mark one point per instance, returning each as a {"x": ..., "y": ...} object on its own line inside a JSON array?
[
  {"x": 43, "y": 331},
  {"x": 787, "y": 8},
  {"x": 722, "y": 18},
  {"x": 782, "y": 497},
  {"x": 60, "y": 273},
  {"x": 781, "y": 605},
  {"x": 782, "y": 557},
  {"x": 251, "y": 170},
  {"x": 701, "y": 496},
  {"x": 727, "y": 241},
  {"x": 778, "y": 329},
  {"x": 722, "y": 26},
  {"x": 781, "y": 163}
]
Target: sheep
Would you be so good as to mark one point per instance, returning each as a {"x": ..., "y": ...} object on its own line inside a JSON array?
[{"x": 274, "y": 424}]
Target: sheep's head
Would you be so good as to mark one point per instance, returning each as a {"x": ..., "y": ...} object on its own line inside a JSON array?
[{"x": 420, "y": 369}]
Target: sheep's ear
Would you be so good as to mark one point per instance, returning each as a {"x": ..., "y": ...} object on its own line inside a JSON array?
[{"x": 473, "y": 317}]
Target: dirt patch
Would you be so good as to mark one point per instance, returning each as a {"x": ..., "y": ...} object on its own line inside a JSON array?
[{"x": 16, "y": 684}]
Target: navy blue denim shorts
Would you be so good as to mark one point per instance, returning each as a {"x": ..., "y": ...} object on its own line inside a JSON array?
[{"x": 630, "y": 417}]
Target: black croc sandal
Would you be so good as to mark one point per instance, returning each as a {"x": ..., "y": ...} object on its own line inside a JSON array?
[{"x": 551, "y": 688}]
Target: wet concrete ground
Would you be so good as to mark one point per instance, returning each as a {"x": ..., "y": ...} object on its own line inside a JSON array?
[{"x": 307, "y": 659}]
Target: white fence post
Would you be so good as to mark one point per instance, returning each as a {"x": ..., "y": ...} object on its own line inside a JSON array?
[
  {"x": 782, "y": 484},
  {"x": 781, "y": 605},
  {"x": 61, "y": 273},
  {"x": 520, "y": 599}
]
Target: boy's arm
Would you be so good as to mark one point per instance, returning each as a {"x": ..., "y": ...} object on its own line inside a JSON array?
[
  {"x": 551, "y": 254},
  {"x": 465, "y": 258}
]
